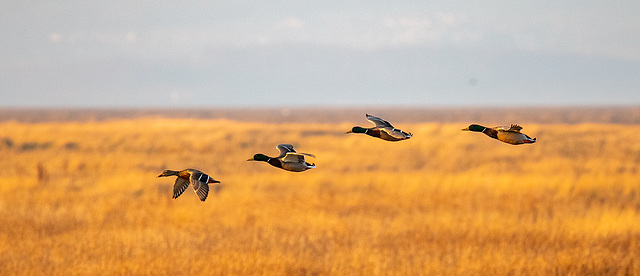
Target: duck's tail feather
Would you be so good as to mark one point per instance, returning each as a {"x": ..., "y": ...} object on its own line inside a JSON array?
[{"x": 529, "y": 139}]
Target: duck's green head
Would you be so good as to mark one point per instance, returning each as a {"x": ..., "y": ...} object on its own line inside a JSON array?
[
  {"x": 357, "y": 129},
  {"x": 259, "y": 157},
  {"x": 474, "y": 127}
]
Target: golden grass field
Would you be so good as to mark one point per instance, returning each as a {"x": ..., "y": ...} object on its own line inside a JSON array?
[{"x": 82, "y": 198}]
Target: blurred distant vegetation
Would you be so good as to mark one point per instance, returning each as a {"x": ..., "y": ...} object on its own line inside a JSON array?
[{"x": 486, "y": 115}]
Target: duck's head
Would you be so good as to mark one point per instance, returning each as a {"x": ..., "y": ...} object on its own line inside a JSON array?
[
  {"x": 474, "y": 127},
  {"x": 168, "y": 173},
  {"x": 259, "y": 157},
  {"x": 357, "y": 129}
]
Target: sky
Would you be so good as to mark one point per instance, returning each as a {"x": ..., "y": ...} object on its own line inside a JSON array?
[{"x": 185, "y": 54}]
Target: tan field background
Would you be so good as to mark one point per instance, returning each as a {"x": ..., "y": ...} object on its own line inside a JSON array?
[{"x": 81, "y": 197}]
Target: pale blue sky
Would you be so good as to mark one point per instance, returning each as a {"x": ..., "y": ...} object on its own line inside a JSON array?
[{"x": 318, "y": 53}]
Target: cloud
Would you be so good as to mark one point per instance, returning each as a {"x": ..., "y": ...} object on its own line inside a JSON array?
[
  {"x": 174, "y": 96},
  {"x": 439, "y": 29},
  {"x": 292, "y": 23},
  {"x": 348, "y": 46},
  {"x": 131, "y": 37},
  {"x": 55, "y": 37}
]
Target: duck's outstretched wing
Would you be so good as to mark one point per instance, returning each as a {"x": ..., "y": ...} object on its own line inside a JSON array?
[
  {"x": 284, "y": 149},
  {"x": 380, "y": 123},
  {"x": 512, "y": 128},
  {"x": 515, "y": 128},
  {"x": 200, "y": 182},
  {"x": 388, "y": 128},
  {"x": 287, "y": 148},
  {"x": 307, "y": 154},
  {"x": 179, "y": 187}
]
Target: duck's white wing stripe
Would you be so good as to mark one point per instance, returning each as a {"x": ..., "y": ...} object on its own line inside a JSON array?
[
  {"x": 200, "y": 186},
  {"x": 203, "y": 178}
]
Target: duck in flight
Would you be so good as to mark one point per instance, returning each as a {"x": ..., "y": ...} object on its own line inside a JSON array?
[
  {"x": 383, "y": 130},
  {"x": 198, "y": 179},
  {"x": 510, "y": 135},
  {"x": 288, "y": 159}
]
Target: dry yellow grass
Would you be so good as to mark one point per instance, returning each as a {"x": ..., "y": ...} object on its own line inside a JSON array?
[{"x": 83, "y": 198}]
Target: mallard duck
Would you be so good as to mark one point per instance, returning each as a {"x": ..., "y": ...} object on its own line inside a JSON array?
[
  {"x": 198, "y": 179},
  {"x": 383, "y": 130},
  {"x": 511, "y": 135},
  {"x": 288, "y": 159}
]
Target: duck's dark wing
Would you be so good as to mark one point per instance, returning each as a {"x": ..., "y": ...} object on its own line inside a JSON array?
[
  {"x": 512, "y": 128},
  {"x": 307, "y": 154},
  {"x": 515, "y": 128},
  {"x": 284, "y": 149},
  {"x": 179, "y": 187},
  {"x": 200, "y": 182},
  {"x": 380, "y": 123}
]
